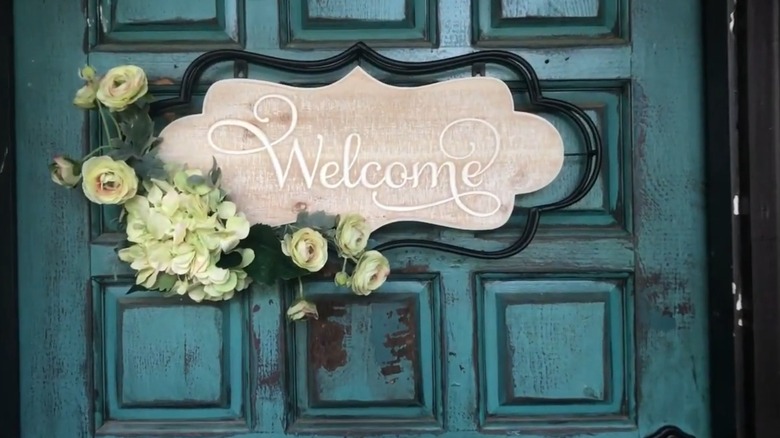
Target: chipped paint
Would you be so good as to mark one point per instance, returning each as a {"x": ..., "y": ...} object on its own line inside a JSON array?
[
  {"x": 402, "y": 343},
  {"x": 326, "y": 338}
]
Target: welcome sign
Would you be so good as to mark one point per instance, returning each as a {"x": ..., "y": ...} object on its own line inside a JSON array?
[{"x": 454, "y": 153}]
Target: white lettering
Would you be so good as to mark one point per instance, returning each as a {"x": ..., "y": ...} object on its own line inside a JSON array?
[{"x": 397, "y": 175}]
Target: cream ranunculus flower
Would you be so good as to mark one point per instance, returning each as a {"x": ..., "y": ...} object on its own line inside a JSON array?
[
  {"x": 352, "y": 235},
  {"x": 64, "y": 172},
  {"x": 122, "y": 86},
  {"x": 307, "y": 248},
  {"x": 370, "y": 273},
  {"x": 302, "y": 309},
  {"x": 106, "y": 181},
  {"x": 85, "y": 96}
]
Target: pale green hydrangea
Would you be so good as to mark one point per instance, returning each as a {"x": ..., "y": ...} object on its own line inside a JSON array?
[{"x": 179, "y": 231}]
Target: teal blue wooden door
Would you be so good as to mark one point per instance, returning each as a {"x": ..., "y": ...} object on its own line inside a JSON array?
[{"x": 597, "y": 329}]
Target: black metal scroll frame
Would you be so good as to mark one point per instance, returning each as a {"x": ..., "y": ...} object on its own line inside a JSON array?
[{"x": 361, "y": 52}]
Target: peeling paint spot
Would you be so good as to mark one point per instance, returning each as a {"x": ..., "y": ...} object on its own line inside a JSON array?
[
  {"x": 270, "y": 379},
  {"x": 414, "y": 269},
  {"x": 402, "y": 342},
  {"x": 326, "y": 338}
]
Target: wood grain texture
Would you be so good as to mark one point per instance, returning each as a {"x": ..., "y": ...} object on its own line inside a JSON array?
[
  {"x": 550, "y": 23},
  {"x": 367, "y": 10},
  {"x": 550, "y": 8},
  {"x": 54, "y": 301},
  {"x": 671, "y": 285},
  {"x": 360, "y": 145}
]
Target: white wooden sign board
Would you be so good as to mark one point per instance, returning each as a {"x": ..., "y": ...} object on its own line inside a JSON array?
[{"x": 454, "y": 153}]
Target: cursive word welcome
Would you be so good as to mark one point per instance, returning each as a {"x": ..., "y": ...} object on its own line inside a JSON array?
[{"x": 373, "y": 175}]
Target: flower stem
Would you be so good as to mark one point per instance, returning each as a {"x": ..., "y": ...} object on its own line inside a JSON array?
[
  {"x": 344, "y": 266},
  {"x": 116, "y": 125},
  {"x": 103, "y": 120},
  {"x": 300, "y": 288},
  {"x": 101, "y": 148}
]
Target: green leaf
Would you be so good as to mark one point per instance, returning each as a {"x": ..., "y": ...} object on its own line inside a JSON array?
[
  {"x": 151, "y": 144},
  {"x": 270, "y": 263},
  {"x": 196, "y": 180},
  {"x": 229, "y": 260},
  {"x": 137, "y": 127},
  {"x": 122, "y": 150},
  {"x": 149, "y": 166},
  {"x": 215, "y": 174},
  {"x": 319, "y": 220},
  {"x": 165, "y": 282},
  {"x": 137, "y": 288}
]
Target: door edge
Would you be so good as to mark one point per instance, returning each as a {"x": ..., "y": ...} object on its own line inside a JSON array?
[{"x": 10, "y": 420}]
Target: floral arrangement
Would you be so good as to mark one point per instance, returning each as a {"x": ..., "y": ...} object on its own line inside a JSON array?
[{"x": 183, "y": 234}]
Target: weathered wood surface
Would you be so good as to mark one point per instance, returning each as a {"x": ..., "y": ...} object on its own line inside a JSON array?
[{"x": 454, "y": 153}]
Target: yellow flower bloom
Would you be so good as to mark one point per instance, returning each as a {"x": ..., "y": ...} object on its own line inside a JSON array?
[
  {"x": 302, "y": 309},
  {"x": 307, "y": 249},
  {"x": 64, "y": 172},
  {"x": 370, "y": 273},
  {"x": 352, "y": 235},
  {"x": 85, "y": 96},
  {"x": 122, "y": 86},
  {"x": 106, "y": 181}
]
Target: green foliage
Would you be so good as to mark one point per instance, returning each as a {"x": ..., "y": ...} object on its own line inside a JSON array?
[
  {"x": 270, "y": 263},
  {"x": 319, "y": 220}
]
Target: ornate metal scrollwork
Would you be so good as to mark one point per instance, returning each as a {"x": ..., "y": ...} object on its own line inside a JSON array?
[
  {"x": 669, "y": 432},
  {"x": 360, "y": 52}
]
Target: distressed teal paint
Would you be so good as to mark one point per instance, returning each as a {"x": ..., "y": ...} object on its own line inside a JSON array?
[
  {"x": 346, "y": 23},
  {"x": 549, "y": 22},
  {"x": 128, "y": 25},
  {"x": 387, "y": 341},
  {"x": 647, "y": 102},
  {"x": 598, "y": 368},
  {"x": 376, "y": 10},
  {"x": 210, "y": 386},
  {"x": 670, "y": 214},
  {"x": 184, "y": 366},
  {"x": 551, "y": 8},
  {"x": 153, "y": 11}
]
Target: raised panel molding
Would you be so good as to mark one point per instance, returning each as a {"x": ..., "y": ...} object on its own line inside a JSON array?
[
  {"x": 167, "y": 361},
  {"x": 608, "y": 204},
  {"x": 549, "y": 22},
  {"x": 340, "y": 23},
  {"x": 369, "y": 363},
  {"x": 148, "y": 25},
  {"x": 555, "y": 351}
]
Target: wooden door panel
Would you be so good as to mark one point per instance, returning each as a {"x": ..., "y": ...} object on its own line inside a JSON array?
[{"x": 597, "y": 328}]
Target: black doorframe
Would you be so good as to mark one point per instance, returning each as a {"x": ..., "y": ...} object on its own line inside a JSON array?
[
  {"x": 744, "y": 395},
  {"x": 758, "y": 224},
  {"x": 720, "y": 109},
  {"x": 9, "y": 332}
]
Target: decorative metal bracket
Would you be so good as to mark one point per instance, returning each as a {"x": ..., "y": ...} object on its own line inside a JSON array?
[
  {"x": 669, "y": 432},
  {"x": 360, "y": 52}
]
